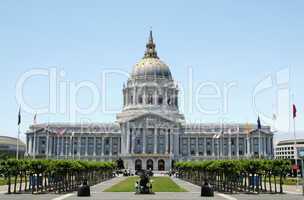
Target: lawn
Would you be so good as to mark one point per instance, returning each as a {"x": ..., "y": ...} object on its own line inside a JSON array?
[
  {"x": 3, "y": 181},
  {"x": 159, "y": 184},
  {"x": 287, "y": 181}
]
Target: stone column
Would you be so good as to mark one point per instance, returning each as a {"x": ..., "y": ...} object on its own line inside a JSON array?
[
  {"x": 144, "y": 96},
  {"x": 56, "y": 148},
  {"x": 78, "y": 145},
  {"x": 212, "y": 147},
  {"x": 229, "y": 145},
  {"x": 196, "y": 146},
  {"x": 35, "y": 144},
  {"x": 205, "y": 146},
  {"x": 71, "y": 152},
  {"x": 268, "y": 146},
  {"x": 189, "y": 150},
  {"x": 86, "y": 146},
  {"x": 52, "y": 145},
  {"x": 94, "y": 151},
  {"x": 111, "y": 144},
  {"x": 171, "y": 135},
  {"x": 265, "y": 145},
  {"x": 128, "y": 141},
  {"x": 133, "y": 140},
  {"x": 221, "y": 145},
  {"x": 144, "y": 140},
  {"x": 165, "y": 100},
  {"x": 127, "y": 96},
  {"x": 167, "y": 141},
  {"x": 123, "y": 139},
  {"x": 134, "y": 96},
  {"x": 102, "y": 146},
  {"x": 62, "y": 145},
  {"x": 237, "y": 146},
  {"x": 248, "y": 145},
  {"x": 28, "y": 144},
  {"x": 155, "y": 98},
  {"x": 119, "y": 145},
  {"x": 155, "y": 140},
  {"x": 47, "y": 144}
]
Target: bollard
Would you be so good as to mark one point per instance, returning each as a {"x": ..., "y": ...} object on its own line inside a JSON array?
[
  {"x": 84, "y": 190},
  {"x": 207, "y": 190}
]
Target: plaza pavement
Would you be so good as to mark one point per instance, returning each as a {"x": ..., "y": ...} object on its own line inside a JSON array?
[{"x": 192, "y": 194}]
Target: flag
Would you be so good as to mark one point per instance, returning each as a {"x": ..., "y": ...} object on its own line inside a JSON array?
[
  {"x": 294, "y": 111},
  {"x": 259, "y": 123},
  {"x": 19, "y": 116},
  {"x": 35, "y": 119}
]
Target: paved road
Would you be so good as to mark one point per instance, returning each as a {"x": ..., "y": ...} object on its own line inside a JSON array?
[{"x": 193, "y": 193}]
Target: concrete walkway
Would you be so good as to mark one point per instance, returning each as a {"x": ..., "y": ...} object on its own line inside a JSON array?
[
  {"x": 289, "y": 189},
  {"x": 192, "y": 194},
  {"x": 97, "y": 193}
]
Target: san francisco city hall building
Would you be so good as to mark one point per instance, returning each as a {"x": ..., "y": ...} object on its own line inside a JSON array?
[{"x": 150, "y": 132}]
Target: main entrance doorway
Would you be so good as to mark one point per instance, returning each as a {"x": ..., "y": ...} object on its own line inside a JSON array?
[{"x": 149, "y": 164}]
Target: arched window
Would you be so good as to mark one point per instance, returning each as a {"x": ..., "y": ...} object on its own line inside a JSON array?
[
  {"x": 138, "y": 164},
  {"x": 169, "y": 101},
  {"x": 131, "y": 99},
  {"x": 160, "y": 100},
  {"x": 150, "y": 99},
  {"x": 161, "y": 165},
  {"x": 140, "y": 99}
]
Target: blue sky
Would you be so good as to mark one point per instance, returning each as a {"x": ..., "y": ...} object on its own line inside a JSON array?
[{"x": 221, "y": 42}]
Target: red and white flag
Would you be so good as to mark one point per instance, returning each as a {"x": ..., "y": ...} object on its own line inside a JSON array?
[{"x": 294, "y": 111}]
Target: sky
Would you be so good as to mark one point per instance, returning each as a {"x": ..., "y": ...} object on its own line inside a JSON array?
[{"x": 233, "y": 61}]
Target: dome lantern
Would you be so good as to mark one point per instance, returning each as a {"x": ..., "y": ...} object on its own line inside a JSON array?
[
  {"x": 150, "y": 66},
  {"x": 150, "y": 48}
]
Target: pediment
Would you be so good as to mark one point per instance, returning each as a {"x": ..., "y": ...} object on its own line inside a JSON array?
[
  {"x": 151, "y": 120},
  {"x": 151, "y": 117}
]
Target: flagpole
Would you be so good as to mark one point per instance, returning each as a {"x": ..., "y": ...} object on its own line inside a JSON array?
[
  {"x": 248, "y": 141},
  {"x": 295, "y": 149},
  {"x": 259, "y": 130},
  {"x": 66, "y": 147},
  {"x": 295, "y": 137},
  {"x": 17, "y": 153},
  {"x": 34, "y": 155},
  {"x": 18, "y": 136},
  {"x": 47, "y": 141},
  {"x": 259, "y": 143},
  {"x": 34, "y": 145},
  {"x": 58, "y": 146},
  {"x": 238, "y": 142}
]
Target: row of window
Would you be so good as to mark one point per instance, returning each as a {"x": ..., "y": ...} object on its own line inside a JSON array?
[
  {"x": 150, "y": 100},
  {"x": 284, "y": 152},
  {"x": 286, "y": 157},
  {"x": 62, "y": 145},
  {"x": 284, "y": 148}
]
